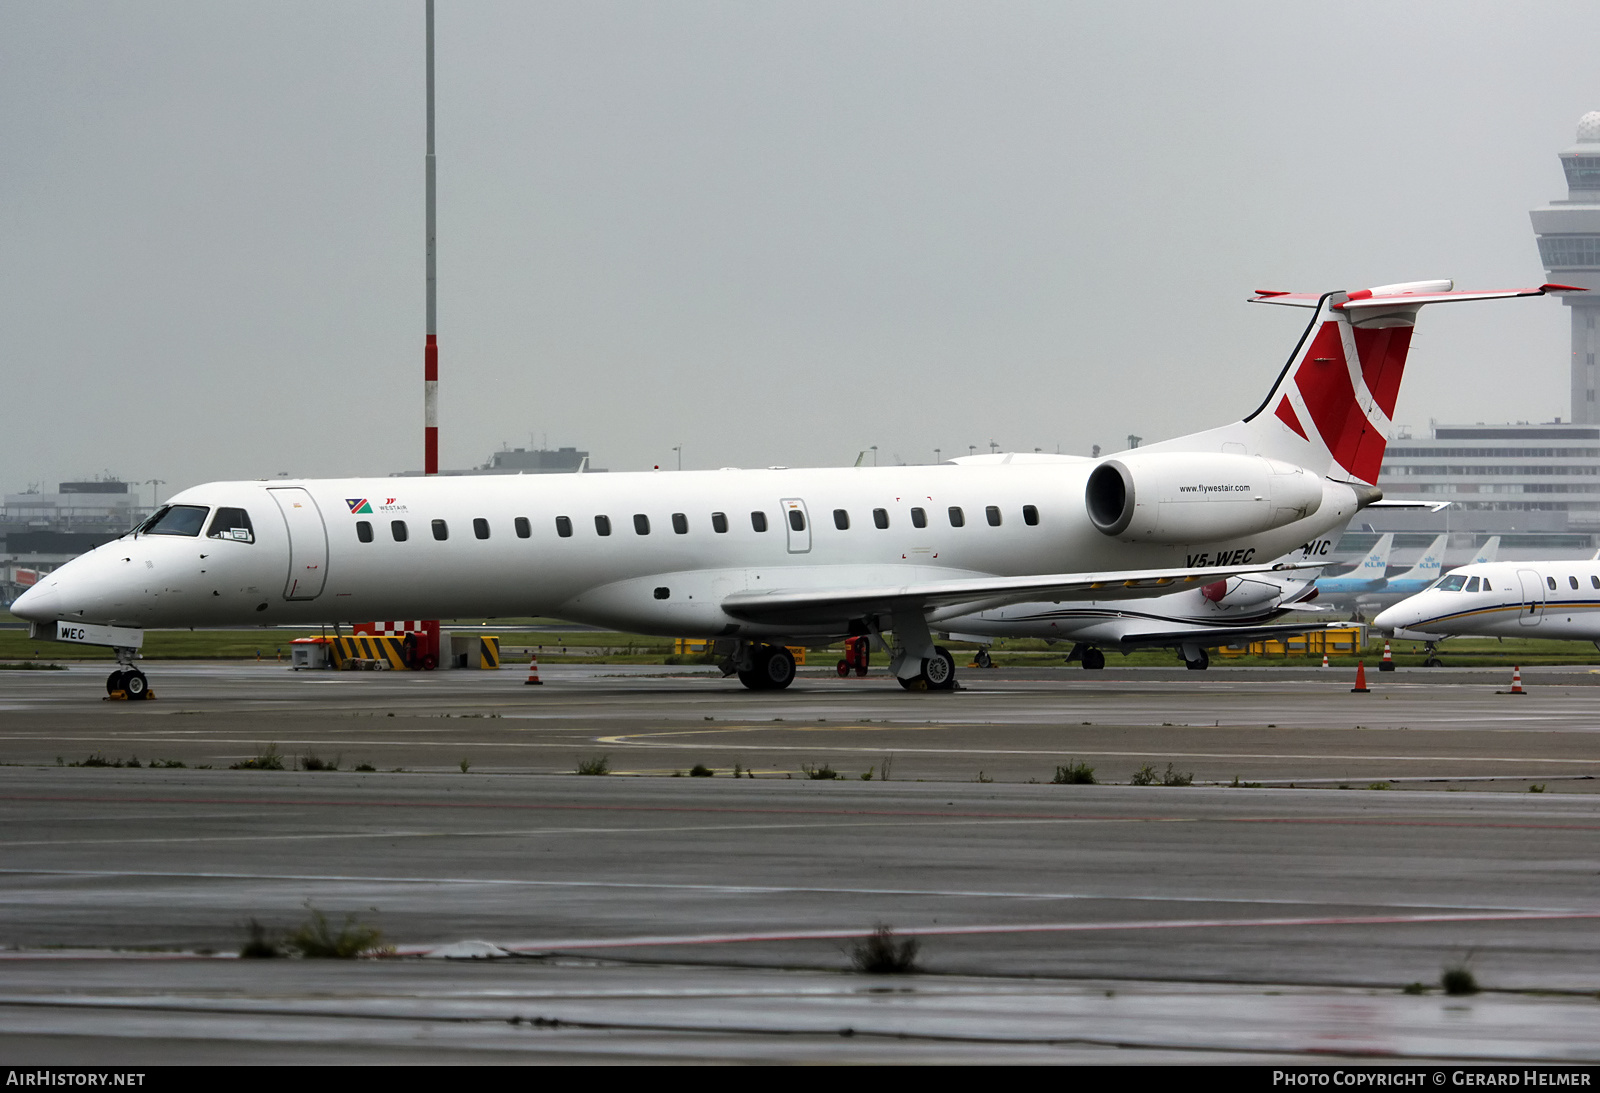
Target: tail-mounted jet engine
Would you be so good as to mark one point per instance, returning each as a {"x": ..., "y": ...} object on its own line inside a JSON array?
[{"x": 1181, "y": 497}]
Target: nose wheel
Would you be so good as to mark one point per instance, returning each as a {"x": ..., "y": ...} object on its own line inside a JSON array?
[{"x": 129, "y": 683}]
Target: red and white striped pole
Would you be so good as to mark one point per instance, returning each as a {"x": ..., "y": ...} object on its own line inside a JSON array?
[{"x": 430, "y": 354}]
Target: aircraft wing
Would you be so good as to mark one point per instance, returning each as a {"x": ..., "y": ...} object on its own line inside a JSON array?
[
  {"x": 1217, "y": 635},
  {"x": 813, "y": 607}
]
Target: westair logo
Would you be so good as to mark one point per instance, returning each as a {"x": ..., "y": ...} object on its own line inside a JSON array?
[
  {"x": 358, "y": 505},
  {"x": 389, "y": 505}
]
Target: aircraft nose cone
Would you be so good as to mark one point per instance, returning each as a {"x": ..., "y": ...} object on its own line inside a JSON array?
[
  {"x": 1391, "y": 619},
  {"x": 41, "y": 603}
]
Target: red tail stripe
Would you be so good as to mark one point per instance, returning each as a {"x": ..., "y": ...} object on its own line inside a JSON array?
[{"x": 1287, "y": 415}]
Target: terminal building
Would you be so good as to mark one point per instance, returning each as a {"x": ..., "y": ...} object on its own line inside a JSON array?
[{"x": 39, "y": 531}]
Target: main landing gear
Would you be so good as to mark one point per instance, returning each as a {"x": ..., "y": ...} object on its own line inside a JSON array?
[
  {"x": 938, "y": 673},
  {"x": 127, "y": 681},
  {"x": 1432, "y": 661},
  {"x": 771, "y": 668},
  {"x": 1195, "y": 658},
  {"x": 1093, "y": 660}
]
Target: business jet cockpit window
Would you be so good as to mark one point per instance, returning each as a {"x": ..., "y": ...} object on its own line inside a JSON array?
[
  {"x": 232, "y": 524},
  {"x": 176, "y": 520},
  {"x": 1451, "y": 583}
]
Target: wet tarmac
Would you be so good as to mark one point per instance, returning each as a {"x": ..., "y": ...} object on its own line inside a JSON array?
[{"x": 702, "y": 919}]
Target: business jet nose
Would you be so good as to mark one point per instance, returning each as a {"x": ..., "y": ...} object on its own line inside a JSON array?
[
  {"x": 41, "y": 603},
  {"x": 1393, "y": 619}
]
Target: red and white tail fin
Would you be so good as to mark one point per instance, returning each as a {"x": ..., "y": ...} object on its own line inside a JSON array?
[{"x": 1331, "y": 408}]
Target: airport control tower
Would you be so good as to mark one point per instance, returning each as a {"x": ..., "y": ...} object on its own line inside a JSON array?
[{"x": 1569, "y": 246}]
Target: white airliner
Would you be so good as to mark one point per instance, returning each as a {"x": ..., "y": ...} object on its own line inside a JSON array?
[
  {"x": 1502, "y": 599},
  {"x": 760, "y": 559}
]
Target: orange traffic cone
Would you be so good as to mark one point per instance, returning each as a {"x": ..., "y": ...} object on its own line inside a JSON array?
[
  {"x": 1516, "y": 682},
  {"x": 1387, "y": 664},
  {"x": 1361, "y": 678},
  {"x": 1324, "y": 660},
  {"x": 533, "y": 670}
]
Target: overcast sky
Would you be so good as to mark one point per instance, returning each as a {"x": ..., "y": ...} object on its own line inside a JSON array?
[{"x": 773, "y": 233}]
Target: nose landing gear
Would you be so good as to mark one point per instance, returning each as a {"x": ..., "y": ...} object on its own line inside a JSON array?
[{"x": 127, "y": 682}]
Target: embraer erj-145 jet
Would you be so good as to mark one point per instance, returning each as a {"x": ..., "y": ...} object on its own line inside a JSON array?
[{"x": 759, "y": 559}]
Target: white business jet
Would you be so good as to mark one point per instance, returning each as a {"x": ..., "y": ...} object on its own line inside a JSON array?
[
  {"x": 760, "y": 559},
  {"x": 1502, "y": 599}
]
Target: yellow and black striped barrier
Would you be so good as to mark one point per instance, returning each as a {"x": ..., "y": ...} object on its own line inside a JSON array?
[{"x": 368, "y": 651}]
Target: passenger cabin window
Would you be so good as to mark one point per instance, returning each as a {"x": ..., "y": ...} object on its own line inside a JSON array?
[
  {"x": 602, "y": 525},
  {"x": 1472, "y": 584},
  {"x": 880, "y": 518},
  {"x": 797, "y": 520},
  {"x": 564, "y": 526},
  {"x": 1551, "y": 581},
  {"x": 364, "y": 531},
  {"x": 397, "y": 528},
  {"x": 641, "y": 524},
  {"x": 758, "y": 520},
  {"x": 176, "y": 520},
  {"x": 1573, "y": 581},
  {"x": 480, "y": 527},
  {"x": 919, "y": 518},
  {"x": 992, "y": 514},
  {"x": 957, "y": 517},
  {"x": 1030, "y": 515},
  {"x": 680, "y": 524},
  {"x": 525, "y": 529},
  {"x": 1593, "y": 581},
  {"x": 719, "y": 523},
  {"x": 441, "y": 530},
  {"x": 841, "y": 519},
  {"x": 233, "y": 524}
]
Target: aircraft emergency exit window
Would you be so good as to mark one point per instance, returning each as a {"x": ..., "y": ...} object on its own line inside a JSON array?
[
  {"x": 797, "y": 519},
  {"x": 719, "y": 523},
  {"x": 602, "y": 525},
  {"x": 758, "y": 520},
  {"x": 680, "y": 523},
  {"x": 1472, "y": 584},
  {"x": 364, "y": 531},
  {"x": 957, "y": 517},
  {"x": 641, "y": 524},
  {"x": 524, "y": 529},
  {"x": 841, "y": 519},
  {"x": 1573, "y": 581},
  {"x": 178, "y": 520},
  {"x": 919, "y": 518},
  {"x": 1551, "y": 581},
  {"x": 397, "y": 528},
  {"x": 231, "y": 524},
  {"x": 880, "y": 518},
  {"x": 1030, "y": 515},
  {"x": 441, "y": 530},
  {"x": 992, "y": 513},
  {"x": 564, "y": 526}
]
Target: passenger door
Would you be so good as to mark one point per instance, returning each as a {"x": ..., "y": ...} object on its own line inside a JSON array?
[
  {"x": 308, "y": 543},
  {"x": 797, "y": 522},
  {"x": 1532, "y": 596}
]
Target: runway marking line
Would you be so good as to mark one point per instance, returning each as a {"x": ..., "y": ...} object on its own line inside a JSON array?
[
  {"x": 748, "y": 810},
  {"x": 576, "y": 944}
]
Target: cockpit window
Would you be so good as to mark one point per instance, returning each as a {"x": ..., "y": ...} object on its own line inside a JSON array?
[
  {"x": 1472, "y": 584},
  {"x": 176, "y": 520},
  {"x": 1451, "y": 583},
  {"x": 232, "y": 524}
]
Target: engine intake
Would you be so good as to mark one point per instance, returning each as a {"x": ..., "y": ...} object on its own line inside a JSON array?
[{"x": 1181, "y": 497}]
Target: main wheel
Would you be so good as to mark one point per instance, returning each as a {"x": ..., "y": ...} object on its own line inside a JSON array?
[
  {"x": 752, "y": 679},
  {"x": 114, "y": 681},
  {"x": 1199, "y": 663},
  {"x": 775, "y": 666},
  {"x": 1093, "y": 660},
  {"x": 940, "y": 670},
  {"x": 1433, "y": 662},
  {"x": 136, "y": 684}
]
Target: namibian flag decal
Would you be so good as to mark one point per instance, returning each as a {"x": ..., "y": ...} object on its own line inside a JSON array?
[{"x": 358, "y": 505}]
